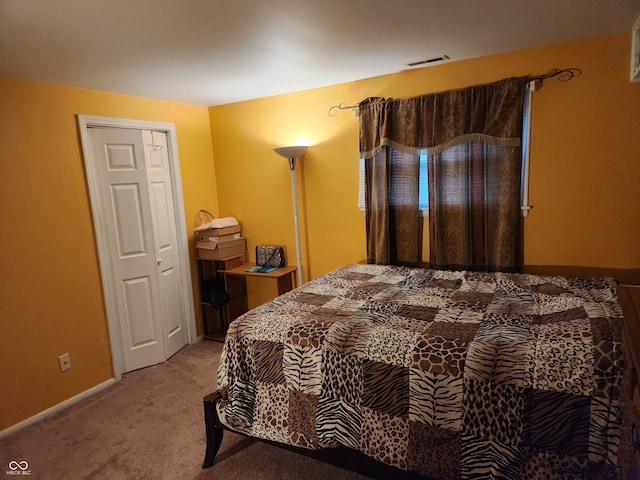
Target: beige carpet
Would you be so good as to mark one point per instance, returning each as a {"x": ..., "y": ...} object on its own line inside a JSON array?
[{"x": 150, "y": 426}]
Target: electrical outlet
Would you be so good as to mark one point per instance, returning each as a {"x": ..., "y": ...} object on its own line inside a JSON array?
[{"x": 65, "y": 362}]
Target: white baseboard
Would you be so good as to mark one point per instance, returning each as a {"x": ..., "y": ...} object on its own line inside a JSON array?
[{"x": 56, "y": 408}]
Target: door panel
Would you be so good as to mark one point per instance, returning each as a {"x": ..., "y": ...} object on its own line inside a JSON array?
[
  {"x": 125, "y": 203},
  {"x": 170, "y": 308},
  {"x": 120, "y": 157},
  {"x": 165, "y": 241},
  {"x": 162, "y": 227},
  {"x": 141, "y": 331}
]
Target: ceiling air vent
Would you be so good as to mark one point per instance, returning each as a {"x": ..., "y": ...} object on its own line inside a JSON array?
[{"x": 429, "y": 60}]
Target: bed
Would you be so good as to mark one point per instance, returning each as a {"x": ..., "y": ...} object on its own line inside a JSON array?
[{"x": 447, "y": 374}]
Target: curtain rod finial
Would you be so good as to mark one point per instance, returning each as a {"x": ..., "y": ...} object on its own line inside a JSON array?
[{"x": 334, "y": 110}]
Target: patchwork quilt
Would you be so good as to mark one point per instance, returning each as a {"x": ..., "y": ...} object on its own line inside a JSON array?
[{"x": 448, "y": 374}]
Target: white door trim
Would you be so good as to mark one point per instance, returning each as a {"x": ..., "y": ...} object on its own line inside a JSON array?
[{"x": 106, "y": 271}]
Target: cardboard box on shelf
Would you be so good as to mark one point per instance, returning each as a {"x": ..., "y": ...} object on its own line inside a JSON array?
[
  {"x": 220, "y": 239},
  {"x": 219, "y": 234},
  {"x": 209, "y": 250}
]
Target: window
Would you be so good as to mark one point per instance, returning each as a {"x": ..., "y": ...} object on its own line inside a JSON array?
[{"x": 424, "y": 186}]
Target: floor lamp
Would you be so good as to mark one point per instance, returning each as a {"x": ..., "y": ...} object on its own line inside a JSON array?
[{"x": 291, "y": 153}]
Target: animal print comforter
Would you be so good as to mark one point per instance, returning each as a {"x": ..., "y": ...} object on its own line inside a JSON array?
[{"x": 449, "y": 374}]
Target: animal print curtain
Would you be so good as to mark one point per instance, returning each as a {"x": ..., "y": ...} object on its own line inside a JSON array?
[
  {"x": 472, "y": 137},
  {"x": 393, "y": 220},
  {"x": 392, "y": 216}
]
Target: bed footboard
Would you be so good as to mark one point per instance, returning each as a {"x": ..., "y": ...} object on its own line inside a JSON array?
[{"x": 213, "y": 427}]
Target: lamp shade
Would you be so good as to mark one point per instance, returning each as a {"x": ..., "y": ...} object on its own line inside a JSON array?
[{"x": 291, "y": 152}]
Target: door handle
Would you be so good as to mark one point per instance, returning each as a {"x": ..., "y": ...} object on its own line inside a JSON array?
[{"x": 158, "y": 261}]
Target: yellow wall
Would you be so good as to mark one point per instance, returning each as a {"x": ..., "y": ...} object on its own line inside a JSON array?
[
  {"x": 50, "y": 291},
  {"x": 585, "y": 166}
]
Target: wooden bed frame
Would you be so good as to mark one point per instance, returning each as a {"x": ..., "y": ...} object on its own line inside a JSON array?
[{"x": 353, "y": 460}]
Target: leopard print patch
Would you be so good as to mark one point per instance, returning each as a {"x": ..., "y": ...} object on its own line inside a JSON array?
[{"x": 388, "y": 440}]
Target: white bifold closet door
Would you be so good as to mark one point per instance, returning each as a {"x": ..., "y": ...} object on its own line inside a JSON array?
[{"x": 137, "y": 205}]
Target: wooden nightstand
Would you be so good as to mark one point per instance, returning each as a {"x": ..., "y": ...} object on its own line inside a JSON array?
[{"x": 235, "y": 281}]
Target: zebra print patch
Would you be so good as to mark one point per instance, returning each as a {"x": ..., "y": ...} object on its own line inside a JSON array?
[
  {"x": 556, "y": 422},
  {"x": 345, "y": 305},
  {"x": 303, "y": 368},
  {"x": 240, "y": 408},
  {"x": 577, "y": 313},
  {"x": 436, "y": 400},
  {"x": 347, "y": 337},
  {"x": 491, "y": 331},
  {"x": 417, "y": 312},
  {"x": 268, "y": 361},
  {"x": 313, "y": 298},
  {"x": 358, "y": 276},
  {"x": 497, "y": 362},
  {"x": 339, "y": 423},
  {"x": 471, "y": 283},
  {"x": 482, "y": 458},
  {"x": 385, "y": 388},
  {"x": 604, "y": 427},
  {"x": 519, "y": 298},
  {"x": 458, "y": 315}
]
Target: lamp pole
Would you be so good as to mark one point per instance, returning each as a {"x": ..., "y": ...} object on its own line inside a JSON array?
[
  {"x": 296, "y": 224},
  {"x": 291, "y": 153}
]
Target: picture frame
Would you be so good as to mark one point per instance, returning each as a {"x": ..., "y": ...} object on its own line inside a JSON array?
[{"x": 635, "y": 51}]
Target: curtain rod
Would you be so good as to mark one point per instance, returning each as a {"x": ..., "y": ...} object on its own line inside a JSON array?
[
  {"x": 562, "y": 74},
  {"x": 334, "y": 110}
]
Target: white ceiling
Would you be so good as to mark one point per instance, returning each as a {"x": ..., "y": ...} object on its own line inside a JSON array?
[{"x": 212, "y": 52}]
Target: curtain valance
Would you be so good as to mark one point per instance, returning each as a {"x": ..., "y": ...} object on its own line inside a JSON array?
[{"x": 490, "y": 113}]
